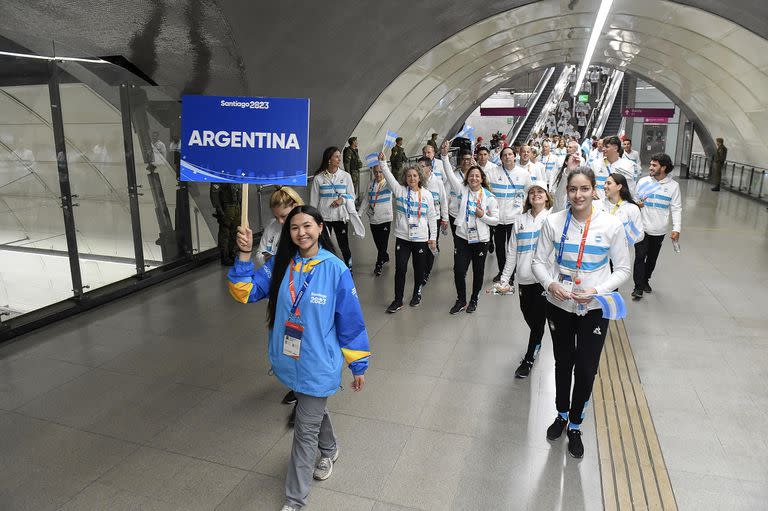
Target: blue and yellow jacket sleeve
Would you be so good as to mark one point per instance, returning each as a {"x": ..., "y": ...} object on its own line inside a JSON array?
[
  {"x": 350, "y": 326},
  {"x": 247, "y": 284}
]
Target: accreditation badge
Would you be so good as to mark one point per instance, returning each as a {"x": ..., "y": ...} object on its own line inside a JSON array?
[
  {"x": 472, "y": 235},
  {"x": 294, "y": 331},
  {"x": 566, "y": 281}
]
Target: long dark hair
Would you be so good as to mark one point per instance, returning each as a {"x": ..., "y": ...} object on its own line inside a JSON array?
[
  {"x": 564, "y": 166},
  {"x": 325, "y": 163},
  {"x": 624, "y": 192},
  {"x": 286, "y": 250},
  {"x": 483, "y": 178}
]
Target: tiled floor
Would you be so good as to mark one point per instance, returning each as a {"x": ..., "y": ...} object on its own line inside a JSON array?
[{"x": 163, "y": 401}]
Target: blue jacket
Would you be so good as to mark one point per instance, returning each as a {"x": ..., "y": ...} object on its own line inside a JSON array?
[{"x": 330, "y": 314}]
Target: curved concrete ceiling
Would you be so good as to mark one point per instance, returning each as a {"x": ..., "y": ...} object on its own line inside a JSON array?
[
  {"x": 711, "y": 66},
  {"x": 343, "y": 57}
]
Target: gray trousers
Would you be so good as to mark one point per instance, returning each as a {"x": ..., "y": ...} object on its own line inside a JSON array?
[{"x": 312, "y": 430}]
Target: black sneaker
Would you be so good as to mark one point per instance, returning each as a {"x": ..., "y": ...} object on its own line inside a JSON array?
[
  {"x": 426, "y": 279},
  {"x": 386, "y": 260},
  {"x": 377, "y": 269},
  {"x": 458, "y": 307},
  {"x": 395, "y": 306},
  {"x": 556, "y": 429},
  {"x": 415, "y": 301},
  {"x": 472, "y": 307},
  {"x": 524, "y": 370},
  {"x": 290, "y": 398},
  {"x": 637, "y": 294},
  {"x": 497, "y": 278},
  {"x": 292, "y": 418},
  {"x": 575, "y": 445},
  {"x": 647, "y": 288}
]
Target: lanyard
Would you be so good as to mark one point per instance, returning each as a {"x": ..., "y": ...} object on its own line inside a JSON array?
[
  {"x": 616, "y": 207},
  {"x": 297, "y": 297},
  {"x": 581, "y": 245},
  {"x": 507, "y": 174},
  {"x": 479, "y": 203},
  {"x": 331, "y": 179},
  {"x": 381, "y": 185},
  {"x": 418, "y": 214}
]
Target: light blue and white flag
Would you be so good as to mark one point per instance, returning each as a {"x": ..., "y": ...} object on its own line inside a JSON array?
[
  {"x": 389, "y": 140},
  {"x": 497, "y": 160},
  {"x": 466, "y": 132},
  {"x": 372, "y": 160},
  {"x": 647, "y": 188},
  {"x": 612, "y": 304},
  {"x": 632, "y": 232}
]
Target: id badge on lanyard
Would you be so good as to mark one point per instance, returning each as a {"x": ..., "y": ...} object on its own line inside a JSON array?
[
  {"x": 413, "y": 226},
  {"x": 473, "y": 236},
  {"x": 294, "y": 329},
  {"x": 566, "y": 279}
]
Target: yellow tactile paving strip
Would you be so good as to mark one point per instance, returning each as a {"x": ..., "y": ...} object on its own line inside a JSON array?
[{"x": 632, "y": 468}]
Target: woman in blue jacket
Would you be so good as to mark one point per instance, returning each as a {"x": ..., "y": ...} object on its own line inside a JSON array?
[{"x": 310, "y": 290}]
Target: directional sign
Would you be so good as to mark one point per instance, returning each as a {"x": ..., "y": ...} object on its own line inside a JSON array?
[
  {"x": 649, "y": 112},
  {"x": 514, "y": 111}
]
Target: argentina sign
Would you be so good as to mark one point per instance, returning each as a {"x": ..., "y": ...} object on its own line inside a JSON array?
[{"x": 244, "y": 140}]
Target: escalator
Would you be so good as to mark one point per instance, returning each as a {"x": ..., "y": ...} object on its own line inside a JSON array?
[
  {"x": 534, "y": 112},
  {"x": 613, "y": 124}
]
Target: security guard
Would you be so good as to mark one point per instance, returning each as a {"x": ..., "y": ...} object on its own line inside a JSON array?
[
  {"x": 398, "y": 158},
  {"x": 226, "y": 200},
  {"x": 353, "y": 164}
]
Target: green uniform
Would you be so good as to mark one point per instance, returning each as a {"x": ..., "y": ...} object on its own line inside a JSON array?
[
  {"x": 398, "y": 159},
  {"x": 353, "y": 164},
  {"x": 226, "y": 199}
]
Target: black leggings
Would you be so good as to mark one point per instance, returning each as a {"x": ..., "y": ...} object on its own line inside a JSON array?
[
  {"x": 430, "y": 262},
  {"x": 403, "y": 251},
  {"x": 452, "y": 221},
  {"x": 501, "y": 236},
  {"x": 533, "y": 305},
  {"x": 646, "y": 255},
  {"x": 342, "y": 238},
  {"x": 465, "y": 253},
  {"x": 380, "y": 233},
  {"x": 577, "y": 342}
]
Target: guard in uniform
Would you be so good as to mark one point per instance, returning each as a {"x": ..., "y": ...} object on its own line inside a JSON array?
[{"x": 226, "y": 200}]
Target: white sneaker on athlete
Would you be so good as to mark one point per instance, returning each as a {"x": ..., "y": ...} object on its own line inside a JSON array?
[
  {"x": 289, "y": 508},
  {"x": 324, "y": 467}
]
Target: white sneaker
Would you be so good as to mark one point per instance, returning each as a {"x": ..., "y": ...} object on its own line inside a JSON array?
[
  {"x": 324, "y": 467},
  {"x": 289, "y": 508}
]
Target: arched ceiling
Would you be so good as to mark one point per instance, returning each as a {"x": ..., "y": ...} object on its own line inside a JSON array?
[
  {"x": 346, "y": 57},
  {"x": 714, "y": 68}
]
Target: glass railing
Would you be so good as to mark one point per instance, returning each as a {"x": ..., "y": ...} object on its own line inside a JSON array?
[
  {"x": 743, "y": 178},
  {"x": 90, "y": 201}
]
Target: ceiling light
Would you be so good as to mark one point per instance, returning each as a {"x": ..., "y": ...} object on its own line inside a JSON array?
[{"x": 602, "y": 15}]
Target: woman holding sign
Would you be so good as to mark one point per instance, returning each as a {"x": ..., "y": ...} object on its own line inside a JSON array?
[
  {"x": 331, "y": 188},
  {"x": 478, "y": 211},
  {"x": 571, "y": 263},
  {"x": 315, "y": 324},
  {"x": 415, "y": 230}
]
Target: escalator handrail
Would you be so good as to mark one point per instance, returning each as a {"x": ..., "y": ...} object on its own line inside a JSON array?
[{"x": 530, "y": 104}]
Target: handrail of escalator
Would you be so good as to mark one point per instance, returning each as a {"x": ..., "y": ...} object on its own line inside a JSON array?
[
  {"x": 605, "y": 112},
  {"x": 533, "y": 99},
  {"x": 595, "y": 114},
  {"x": 555, "y": 96}
]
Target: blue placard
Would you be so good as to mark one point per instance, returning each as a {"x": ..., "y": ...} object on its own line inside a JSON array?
[{"x": 229, "y": 139}]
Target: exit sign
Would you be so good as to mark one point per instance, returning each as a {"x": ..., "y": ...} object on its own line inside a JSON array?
[{"x": 584, "y": 98}]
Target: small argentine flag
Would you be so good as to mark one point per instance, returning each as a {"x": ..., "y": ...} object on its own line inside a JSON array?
[
  {"x": 389, "y": 139},
  {"x": 372, "y": 160},
  {"x": 647, "y": 188},
  {"x": 612, "y": 304},
  {"x": 632, "y": 232},
  {"x": 497, "y": 160},
  {"x": 466, "y": 132}
]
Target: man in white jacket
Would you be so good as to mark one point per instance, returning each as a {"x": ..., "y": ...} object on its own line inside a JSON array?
[{"x": 659, "y": 199}]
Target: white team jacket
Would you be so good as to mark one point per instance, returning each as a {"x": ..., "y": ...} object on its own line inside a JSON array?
[
  {"x": 326, "y": 188},
  {"x": 483, "y": 199},
  {"x": 508, "y": 186},
  {"x": 664, "y": 198},
  {"x": 270, "y": 238},
  {"x": 409, "y": 210},
  {"x": 377, "y": 203},
  {"x": 630, "y": 217},
  {"x": 522, "y": 245},
  {"x": 439, "y": 197},
  {"x": 605, "y": 241}
]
